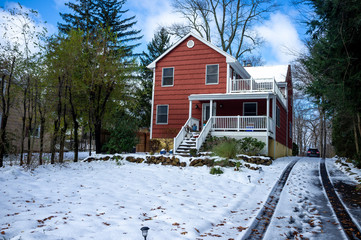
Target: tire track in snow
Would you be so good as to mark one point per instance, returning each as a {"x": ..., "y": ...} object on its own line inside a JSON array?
[
  {"x": 350, "y": 228},
  {"x": 259, "y": 226}
]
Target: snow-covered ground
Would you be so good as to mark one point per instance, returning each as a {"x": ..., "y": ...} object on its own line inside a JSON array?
[{"x": 104, "y": 200}]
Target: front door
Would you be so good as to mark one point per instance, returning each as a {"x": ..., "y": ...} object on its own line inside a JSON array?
[{"x": 206, "y": 112}]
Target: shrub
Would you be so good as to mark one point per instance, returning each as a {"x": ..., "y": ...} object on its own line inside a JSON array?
[
  {"x": 251, "y": 146},
  {"x": 295, "y": 149},
  {"x": 193, "y": 152},
  {"x": 228, "y": 149},
  {"x": 123, "y": 137},
  {"x": 216, "y": 171},
  {"x": 154, "y": 145}
]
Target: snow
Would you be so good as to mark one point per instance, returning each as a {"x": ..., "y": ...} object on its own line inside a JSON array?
[
  {"x": 108, "y": 200},
  {"x": 278, "y": 72}
]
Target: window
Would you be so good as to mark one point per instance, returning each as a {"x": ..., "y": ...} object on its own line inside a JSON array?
[
  {"x": 290, "y": 130},
  {"x": 212, "y": 74},
  {"x": 249, "y": 109},
  {"x": 168, "y": 77},
  {"x": 278, "y": 117},
  {"x": 162, "y": 114}
]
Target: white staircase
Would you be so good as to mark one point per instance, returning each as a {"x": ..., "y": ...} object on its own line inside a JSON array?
[{"x": 187, "y": 144}]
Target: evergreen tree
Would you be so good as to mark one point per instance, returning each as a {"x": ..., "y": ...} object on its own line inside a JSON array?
[
  {"x": 335, "y": 64},
  {"x": 110, "y": 15},
  {"x": 111, "y": 39},
  {"x": 143, "y": 95},
  {"x": 84, "y": 17}
]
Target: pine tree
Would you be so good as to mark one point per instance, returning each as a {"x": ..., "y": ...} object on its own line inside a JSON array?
[
  {"x": 159, "y": 44},
  {"x": 334, "y": 62},
  {"x": 110, "y": 15},
  {"x": 84, "y": 17}
]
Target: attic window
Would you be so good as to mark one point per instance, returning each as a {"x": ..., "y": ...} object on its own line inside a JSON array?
[{"x": 190, "y": 44}]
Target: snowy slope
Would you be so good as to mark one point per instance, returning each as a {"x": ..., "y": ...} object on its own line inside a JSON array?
[{"x": 102, "y": 200}]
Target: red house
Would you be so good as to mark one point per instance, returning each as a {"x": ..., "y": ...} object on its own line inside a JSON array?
[{"x": 194, "y": 75}]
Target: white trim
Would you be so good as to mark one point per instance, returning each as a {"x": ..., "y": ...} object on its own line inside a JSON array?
[
  {"x": 163, "y": 77},
  {"x": 248, "y": 103},
  {"x": 228, "y": 78},
  {"x": 231, "y": 96},
  {"x": 190, "y": 44},
  {"x": 213, "y": 111},
  {"x": 152, "y": 110},
  {"x": 156, "y": 116},
  {"x": 217, "y": 74}
]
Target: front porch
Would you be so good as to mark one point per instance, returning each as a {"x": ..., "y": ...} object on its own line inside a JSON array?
[{"x": 251, "y": 113}]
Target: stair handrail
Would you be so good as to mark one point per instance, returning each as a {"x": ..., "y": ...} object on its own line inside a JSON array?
[
  {"x": 204, "y": 133},
  {"x": 182, "y": 133}
]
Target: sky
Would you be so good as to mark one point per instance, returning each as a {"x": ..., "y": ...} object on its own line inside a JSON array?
[{"x": 282, "y": 32}]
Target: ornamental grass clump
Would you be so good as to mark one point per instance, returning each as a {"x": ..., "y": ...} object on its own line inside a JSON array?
[{"x": 227, "y": 149}]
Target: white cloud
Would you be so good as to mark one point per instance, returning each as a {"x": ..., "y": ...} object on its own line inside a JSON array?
[
  {"x": 60, "y": 3},
  {"x": 16, "y": 25},
  {"x": 151, "y": 14},
  {"x": 281, "y": 38}
]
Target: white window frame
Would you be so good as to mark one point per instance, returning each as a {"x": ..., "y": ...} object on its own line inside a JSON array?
[
  {"x": 249, "y": 103},
  {"x": 278, "y": 116},
  {"x": 217, "y": 74},
  {"x": 163, "y": 77},
  {"x": 156, "y": 117}
]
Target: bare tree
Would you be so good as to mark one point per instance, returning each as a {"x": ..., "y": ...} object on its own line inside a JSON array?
[{"x": 228, "y": 21}]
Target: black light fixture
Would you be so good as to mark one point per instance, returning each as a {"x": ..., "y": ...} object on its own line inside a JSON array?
[
  {"x": 197, "y": 106},
  {"x": 145, "y": 232}
]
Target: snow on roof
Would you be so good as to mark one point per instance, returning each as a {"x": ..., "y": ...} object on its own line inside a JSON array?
[{"x": 278, "y": 72}]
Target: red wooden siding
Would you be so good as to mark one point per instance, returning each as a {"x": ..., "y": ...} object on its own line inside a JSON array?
[
  {"x": 189, "y": 78},
  {"x": 281, "y": 131},
  {"x": 235, "y": 107}
]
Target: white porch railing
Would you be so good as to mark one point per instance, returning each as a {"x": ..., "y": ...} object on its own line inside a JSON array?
[
  {"x": 257, "y": 85},
  {"x": 182, "y": 133},
  {"x": 240, "y": 123},
  {"x": 204, "y": 133}
]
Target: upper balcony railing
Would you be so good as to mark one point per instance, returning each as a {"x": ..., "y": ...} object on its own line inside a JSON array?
[{"x": 257, "y": 85}]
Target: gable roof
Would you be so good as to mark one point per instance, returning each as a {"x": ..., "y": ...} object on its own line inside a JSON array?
[
  {"x": 279, "y": 72},
  {"x": 229, "y": 58}
]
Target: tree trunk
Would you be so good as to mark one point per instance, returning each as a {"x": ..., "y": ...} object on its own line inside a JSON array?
[
  {"x": 76, "y": 141},
  {"x": 57, "y": 121},
  {"x": 24, "y": 123},
  {"x": 28, "y": 159},
  {"x": 97, "y": 128},
  {"x": 42, "y": 126},
  {"x": 76, "y": 126},
  {"x": 90, "y": 142},
  {"x": 356, "y": 138}
]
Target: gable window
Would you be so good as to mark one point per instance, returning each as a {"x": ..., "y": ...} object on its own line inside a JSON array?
[
  {"x": 250, "y": 109},
  {"x": 162, "y": 114},
  {"x": 278, "y": 116},
  {"x": 168, "y": 77},
  {"x": 212, "y": 74}
]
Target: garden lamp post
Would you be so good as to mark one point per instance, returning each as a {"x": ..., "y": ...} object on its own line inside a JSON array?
[
  {"x": 145, "y": 232},
  {"x": 249, "y": 178}
]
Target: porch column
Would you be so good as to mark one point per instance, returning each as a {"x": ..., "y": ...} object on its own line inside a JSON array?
[
  {"x": 210, "y": 108},
  {"x": 190, "y": 109},
  {"x": 268, "y": 126},
  {"x": 267, "y": 122},
  {"x": 274, "y": 124}
]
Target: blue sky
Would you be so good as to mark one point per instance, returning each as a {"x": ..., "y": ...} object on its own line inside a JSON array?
[{"x": 282, "y": 31}]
